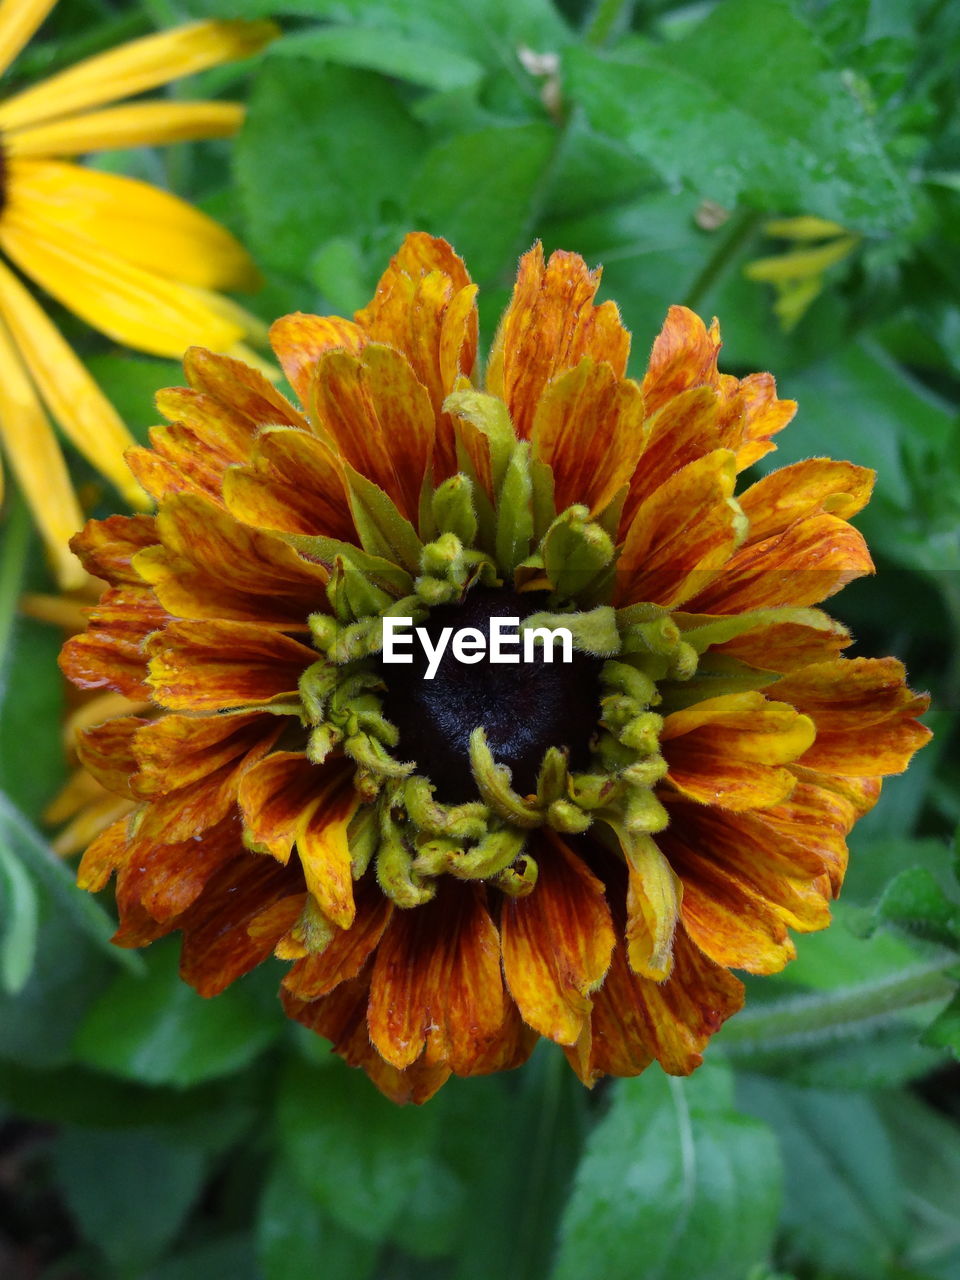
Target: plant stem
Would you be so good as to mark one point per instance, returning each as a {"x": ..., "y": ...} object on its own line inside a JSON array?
[
  {"x": 741, "y": 229},
  {"x": 604, "y": 20},
  {"x": 822, "y": 1016}
]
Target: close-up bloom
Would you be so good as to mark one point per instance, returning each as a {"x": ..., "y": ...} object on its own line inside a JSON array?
[
  {"x": 457, "y": 865},
  {"x": 134, "y": 262}
]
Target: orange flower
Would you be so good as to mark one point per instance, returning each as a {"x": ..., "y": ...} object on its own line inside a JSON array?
[{"x": 458, "y": 865}]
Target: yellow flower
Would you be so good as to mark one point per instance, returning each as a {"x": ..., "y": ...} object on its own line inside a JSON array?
[{"x": 134, "y": 262}]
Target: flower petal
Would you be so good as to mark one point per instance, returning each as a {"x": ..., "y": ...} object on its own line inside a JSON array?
[
  {"x": 729, "y": 750},
  {"x": 299, "y": 341},
  {"x": 812, "y": 559},
  {"x": 211, "y": 566},
  {"x": 818, "y": 484},
  {"x": 864, "y": 713},
  {"x": 685, "y": 532},
  {"x": 106, "y": 548},
  {"x": 133, "y": 220},
  {"x": 379, "y": 417},
  {"x": 348, "y": 950},
  {"x": 550, "y": 324},
  {"x": 135, "y": 124},
  {"x": 293, "y": 483},
  {"x": 19, "y": 20},
  {"x": 212, "y": 666},
  {"x": 557, "y": 943},
  {"x": 126, "y": 302},
  {"x": 588, "y": 429},
  {"x": 436, "y": 986},
  {"x": 110, "y": 653},
  {"x": 134, "y": 68}
]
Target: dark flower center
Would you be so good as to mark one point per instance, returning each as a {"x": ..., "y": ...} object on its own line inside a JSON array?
[{"x": 524, "y": 707}]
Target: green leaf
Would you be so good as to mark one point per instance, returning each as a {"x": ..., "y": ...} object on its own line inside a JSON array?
[
  {"x": 391, "y": 54},
  {"x": 915, "y": 901},
  {"x": 356, "y": 1153},
  {"x": 843, "y": 1210},
  {"x": 82, "y": 910},
  {"x": 745, "y": 107},
  {"x": 944, "y": 1031},
  {"x": 854, "y": 406},
  {"x": 156, "y": 1030},
  {"x": 383, "y": 531},
  {"x": 292, "y": 1233},
  {"x": 19, "y": 920},
  {"x": 128, "y": 1191},
  {"x": 480, "y": 191},
  {"x": 304, "y": 160},
  {"x": 673, "y": 1180},
  {"x": 228, "y": 1256},
  {"x": 514, "y": 514},
  {"x": 926, "y": 1147}
]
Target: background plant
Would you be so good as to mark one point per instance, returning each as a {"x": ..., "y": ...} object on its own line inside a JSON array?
[{"x": 149, "y": 1134}]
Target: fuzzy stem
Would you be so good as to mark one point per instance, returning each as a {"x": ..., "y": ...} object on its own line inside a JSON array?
[{"x": 805, "y": 1020}]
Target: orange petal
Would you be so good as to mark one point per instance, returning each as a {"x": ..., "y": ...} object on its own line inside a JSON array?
[
  {"x": 763, "y": 415},
  {"x": 690, "y": 425},
  {"x": 812, "y": 559},
  {"x": 557, "y": 943},
  {"x": 213, "y": 666},
  {"x": 217, "y": 947},
  {"x": 239, "y": 388},
  {"x": 588, "y": 427},
  {"x": 436, "y": 986},
  {"x": 425, "y": 306},
  {"x": 818, "y": 484},
  {"x": 684, "y": 355},
  {"x": 109, "y": 851},
  {"x": 682, "y": 534},
  {"x": 682, "y": 1013},
  {"x": 106, "y": 547},
  {"x": 110, "y": 653},
  {"x": 166, "y": 879},
  {"x": 299, "y": 341},
  {"x": 730, "y": 922},
  {"x": 348, "y": 950},
  {"x": 615, "y": 1041},
  {"x": 287, "y": 800},
  {"x": 175, "y": 751},
  {"x": 379, "y": 417},
  {"x": 211, "y": 566},
  {"x": 550, "y": 324},
  {"x": 107, "y": 752},
  {"x": 293, "y": 483},
  {"x": 341, "y": 1017},
  {"x": 729, "y": 750},
  {"x": 864, "y": 713}
]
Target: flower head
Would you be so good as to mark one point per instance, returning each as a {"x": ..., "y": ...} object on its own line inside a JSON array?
[
  {"x": 134, "y": 262},
  {"x": 457, "y": 865}
]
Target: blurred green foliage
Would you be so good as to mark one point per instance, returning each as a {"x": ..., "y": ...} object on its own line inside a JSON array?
[{"x": 149, "y": 1135}]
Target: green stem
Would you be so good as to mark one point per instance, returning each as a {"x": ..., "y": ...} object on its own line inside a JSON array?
[
  {"x": 528, "y": 1248},
  {"x": 604, "y": 20},
  {"x": 13, "y": 557},
  {"x": 821, "y": 1016},
  {"x": 741, "y": 229}
]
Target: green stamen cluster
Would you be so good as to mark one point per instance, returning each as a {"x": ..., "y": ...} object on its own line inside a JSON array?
[{"x": 517, "y": 544}]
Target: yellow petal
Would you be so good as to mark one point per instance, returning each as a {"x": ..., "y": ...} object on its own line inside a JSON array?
[
  {"x": 85, "y": 415},
  {"x": 120, "y": 299},
  {"x": 654, "y": 893},
  {"x": 134, "y": 68},
  {"x": 129, "y": 219},
  {"x": 37, "y": 463},
  {"x": 19, "y": 19},
  {"x": 135, "y": 124}
]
